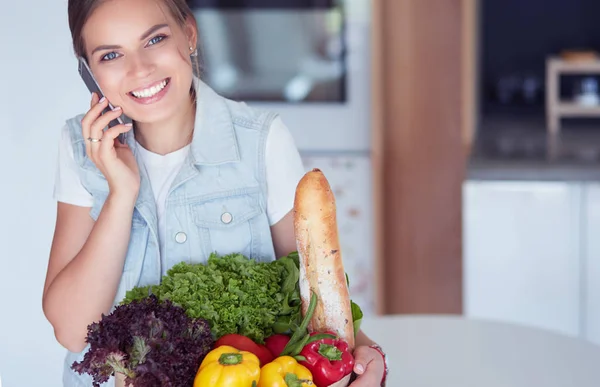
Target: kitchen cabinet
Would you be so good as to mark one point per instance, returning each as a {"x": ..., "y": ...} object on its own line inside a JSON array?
[
  {"x": 522, "y": 253},
  {"x": 591, "y": 264}
]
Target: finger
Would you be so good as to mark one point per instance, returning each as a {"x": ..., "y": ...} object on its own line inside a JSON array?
[
  {"x": 85, "y": 127},
  {"x": 94, "y": 100},
  {"x": 363, "y": 356},
  {"x": 368, "y": 365},
  {"x": 102, "y": 122},
  {"x": 119, "y": 144},
  {"x": 92, "y": 115},
  {"x": 109, "y": 142},
  {"x": 88, "y": 119},
  {"x": 111, "y": 134}
]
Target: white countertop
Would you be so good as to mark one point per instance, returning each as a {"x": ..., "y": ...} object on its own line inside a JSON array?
[{"x": 447, "y": 351}]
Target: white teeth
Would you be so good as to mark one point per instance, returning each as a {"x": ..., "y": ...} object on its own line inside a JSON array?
[{"x": 150, "y": 92}]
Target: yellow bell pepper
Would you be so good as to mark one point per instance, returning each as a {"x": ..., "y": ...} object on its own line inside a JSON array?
[
  {"x": 285, "y": 371},
  {"x": 226, "y": 366}
]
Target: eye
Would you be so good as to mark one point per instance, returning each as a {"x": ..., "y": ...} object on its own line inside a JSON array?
[
  {"x": 156, "y": 39},
  {"x": 109, "y": 56}
]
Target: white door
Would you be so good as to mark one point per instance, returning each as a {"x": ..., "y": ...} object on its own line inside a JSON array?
[{"x": 522, "y": 254}]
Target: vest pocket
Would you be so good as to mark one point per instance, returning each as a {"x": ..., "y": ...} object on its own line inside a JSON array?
[{"x": 231, "y": 222}]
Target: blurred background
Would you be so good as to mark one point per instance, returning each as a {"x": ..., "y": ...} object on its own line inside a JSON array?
[{"x": 461, "y": 138}]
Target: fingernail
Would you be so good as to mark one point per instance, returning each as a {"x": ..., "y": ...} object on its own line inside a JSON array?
[
  {"x": 102, "y": 99},
  {"x": 359, "y": 369},
  {"x": 117, "y": 108},
  {"x": 129, "y": 124}
]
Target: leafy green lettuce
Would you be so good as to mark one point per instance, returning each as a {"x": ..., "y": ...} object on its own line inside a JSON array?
[
  {"x": 234, "y": 294},
  {"x": 237, "y": 295}
]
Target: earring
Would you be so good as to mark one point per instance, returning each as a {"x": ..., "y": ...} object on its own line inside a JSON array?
[{"x": 194, "y": 52}]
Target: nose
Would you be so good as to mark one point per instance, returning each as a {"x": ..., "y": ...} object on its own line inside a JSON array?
[{"x": 140, "y": 66}]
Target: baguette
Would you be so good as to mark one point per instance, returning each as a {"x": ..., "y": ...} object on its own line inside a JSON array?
[{"x": 321, "y": 267}]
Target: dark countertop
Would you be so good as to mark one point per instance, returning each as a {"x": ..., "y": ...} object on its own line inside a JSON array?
[
  {"x": 519, "y": 171},
  {"x": 509, "y": 149}
]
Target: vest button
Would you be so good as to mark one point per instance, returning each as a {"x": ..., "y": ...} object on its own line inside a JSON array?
[
  {"x": 180, "y": 237},
  {"x": 226, "y": 217}
]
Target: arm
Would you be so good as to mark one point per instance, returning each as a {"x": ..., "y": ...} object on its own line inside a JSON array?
[
  {"x": 282, "y": 233},
  {"x": 87, "y": 258},
  {"x": 85, "y": 266},
  {"x": 363, "y": 340}
]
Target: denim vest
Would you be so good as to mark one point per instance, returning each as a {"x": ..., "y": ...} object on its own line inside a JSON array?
[{"x": 217, "y": 202}]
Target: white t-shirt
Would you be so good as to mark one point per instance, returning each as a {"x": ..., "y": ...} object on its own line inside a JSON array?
[{"x": 284, "y": 170}]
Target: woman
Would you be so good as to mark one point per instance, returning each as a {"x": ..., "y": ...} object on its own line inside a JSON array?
[{"x": 199, "y": 173}]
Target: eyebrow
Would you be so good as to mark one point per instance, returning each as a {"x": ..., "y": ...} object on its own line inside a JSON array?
[{"x": 144, "y": 36}]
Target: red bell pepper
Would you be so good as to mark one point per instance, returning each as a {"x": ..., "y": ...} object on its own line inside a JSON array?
[
  {"x": 276, "y": 344},
  {"x": 244, "y": 343},
  {"x": 329, "y": 360}
]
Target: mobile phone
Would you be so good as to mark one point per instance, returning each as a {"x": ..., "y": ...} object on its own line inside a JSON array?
[{"x": 93, "y": 87}]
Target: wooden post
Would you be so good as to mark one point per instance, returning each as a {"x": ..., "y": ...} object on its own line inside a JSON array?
[{"x": 418, "y": 154}]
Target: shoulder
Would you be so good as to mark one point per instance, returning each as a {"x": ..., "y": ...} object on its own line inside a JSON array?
[
  {"x": 72, "y": 138},
  {"x": 281, "y": 149},
  {"x": 279, "y": 135},
  {"x": 222, "y": 109},
  {"x": 73, "y": 128},
  {"x": 284, "y": 169},
  {"x": 245, "y": 116}
]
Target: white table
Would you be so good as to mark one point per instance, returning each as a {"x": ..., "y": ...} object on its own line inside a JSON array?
[{"x": 428, "y": 351}]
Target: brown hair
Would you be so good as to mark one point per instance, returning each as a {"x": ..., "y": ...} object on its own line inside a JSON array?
[{"x": 80, "y": 11}]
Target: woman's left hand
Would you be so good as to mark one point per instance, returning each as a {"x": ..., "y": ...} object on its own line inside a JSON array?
[{"x": 369, "y": 366}]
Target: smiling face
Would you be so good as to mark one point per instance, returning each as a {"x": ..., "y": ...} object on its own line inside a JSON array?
[{"x": 140, "y": 56}]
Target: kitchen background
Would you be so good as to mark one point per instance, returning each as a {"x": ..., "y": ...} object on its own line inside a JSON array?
[
  {"x": 531, "y": 211},
  {"x": 531, "y": 199}
]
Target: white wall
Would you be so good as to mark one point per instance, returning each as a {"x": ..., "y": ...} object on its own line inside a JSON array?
[{"x": 40, "y": 89}]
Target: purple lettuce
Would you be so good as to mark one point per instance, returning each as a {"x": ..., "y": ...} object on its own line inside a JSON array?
[{"x": 151, "y": 342}]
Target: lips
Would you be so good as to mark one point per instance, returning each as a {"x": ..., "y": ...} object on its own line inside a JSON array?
[
  {"x": 150, "y": 90},
  {"x": 151, "y": 93}
]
